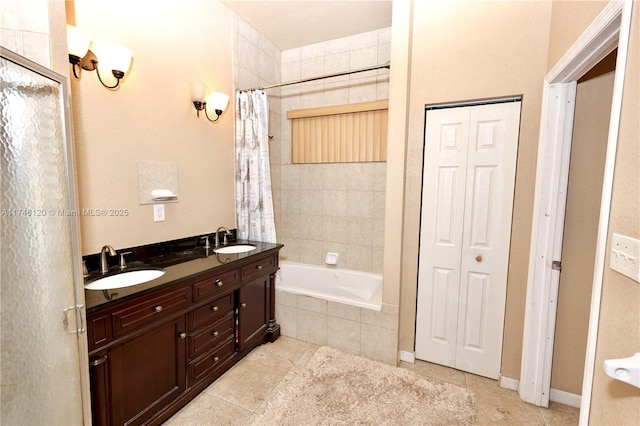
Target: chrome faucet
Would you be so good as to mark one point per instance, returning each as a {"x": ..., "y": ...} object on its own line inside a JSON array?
[
  {"x": 224, "y": 240},
  {"x": 104, "y": 267}
]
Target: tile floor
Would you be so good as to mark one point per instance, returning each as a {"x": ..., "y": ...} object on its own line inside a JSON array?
[{"x": 241, "y": 392}]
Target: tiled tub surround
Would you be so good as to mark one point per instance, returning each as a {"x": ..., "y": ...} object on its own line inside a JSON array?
[
  {"x": 362, "y": 331},
  {"x": 335, "y": 207}
]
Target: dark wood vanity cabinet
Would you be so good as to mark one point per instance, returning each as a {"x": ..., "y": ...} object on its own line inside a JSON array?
[{"x": 150, "y": 355}]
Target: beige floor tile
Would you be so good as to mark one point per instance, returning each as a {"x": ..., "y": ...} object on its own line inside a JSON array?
[
  {"x": 494, "y": 409},
  {"x": 249, "y": 382},
  {"x": 436, "y": 371},
  {"x": 560, "y": 415},
  {"x": 247, "y": 388},
  {"x": 209, "y": 410},
  {"x": 475, "y": 382},
  {"x": 286, "y": 348}
]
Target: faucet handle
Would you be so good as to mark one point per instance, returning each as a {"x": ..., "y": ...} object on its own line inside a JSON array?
[
  {"x": 123, "y": 264},
  {"x": 206, "y": 241}
]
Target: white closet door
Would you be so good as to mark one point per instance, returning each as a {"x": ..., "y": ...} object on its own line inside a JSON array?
[
  {"x": 444, "y": 177},
  {"x": 462, "y": 280}
]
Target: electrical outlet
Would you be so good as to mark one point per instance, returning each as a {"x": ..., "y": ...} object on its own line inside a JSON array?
[
  {"x": 625, "y": 256},
  {"x": 158, "y": 212}
]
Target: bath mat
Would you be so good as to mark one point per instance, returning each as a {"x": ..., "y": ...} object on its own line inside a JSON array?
[{"x": 337, "y": 388}]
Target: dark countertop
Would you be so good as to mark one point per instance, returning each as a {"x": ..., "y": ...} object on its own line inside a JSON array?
[{"x": 207, "y": 261}]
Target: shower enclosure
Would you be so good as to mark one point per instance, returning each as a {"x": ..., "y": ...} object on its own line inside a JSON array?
[{"x": 43, "y": 346}]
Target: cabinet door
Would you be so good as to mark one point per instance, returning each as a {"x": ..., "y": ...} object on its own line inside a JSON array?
[
  {"x": 148, "y": 372},
  {"x": 100, "y": 389},
  {"x": 253, "y": 314}
]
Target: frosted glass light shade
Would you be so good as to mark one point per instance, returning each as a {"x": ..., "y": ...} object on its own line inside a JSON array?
[
  {"x": 198, "y": 91},
  {"x": 112, "y": 56},
  {"x": 218, "y": 101},
  {"x": 78, "y": 41}
]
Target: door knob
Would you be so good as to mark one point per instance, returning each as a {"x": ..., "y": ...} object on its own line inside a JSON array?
[
  {"x": 183, "y": 335},
  {"x": 479, "y": 258}
]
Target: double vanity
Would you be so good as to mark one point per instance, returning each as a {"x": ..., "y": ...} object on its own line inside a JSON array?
[{"x": 154, "y": 346}]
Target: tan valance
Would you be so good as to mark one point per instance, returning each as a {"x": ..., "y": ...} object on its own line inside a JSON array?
[{"x": 340, "y": 134}]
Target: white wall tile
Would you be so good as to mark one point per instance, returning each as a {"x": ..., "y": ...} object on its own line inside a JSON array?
[
  {"x": 11, "y": 39},
  {"x": 344, "y": 311},
  {"x": 343, "y": 334},
  {"x": 359, "y": 257},
  {"x": 9, "y": 15},
  {"x": 334, "y": 203},
  {"x": 35, "y": 46},
  {"x": 360, "y": 204},
  {"x": 312, "y": 327},
  {"x": 33, "y": 16},
  {"x": 360, "y": 176},
  {"x": 360, "y": 231},
  {"x": 337, "y": 233},
  {"x": 334, "y": 231},
  {"x": 312, "y": 304}
]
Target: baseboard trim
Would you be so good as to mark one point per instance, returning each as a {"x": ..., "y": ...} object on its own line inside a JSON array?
[
  {"x": 408, "y": 356},
  {"x": 566, "y": 398},
  {"x": 555, "y": 395},
  {"x": 509, "y": 383}
]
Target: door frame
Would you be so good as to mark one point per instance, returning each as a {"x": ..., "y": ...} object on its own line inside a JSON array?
[{"x": 610, "y": 29}]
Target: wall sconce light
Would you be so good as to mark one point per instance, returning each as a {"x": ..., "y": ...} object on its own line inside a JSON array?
[
  {"x": 113, "y": 57},
  {"x": 215, "y": 100}
]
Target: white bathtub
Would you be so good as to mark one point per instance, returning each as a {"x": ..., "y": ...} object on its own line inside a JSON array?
[{"x": 361, "y": 289}]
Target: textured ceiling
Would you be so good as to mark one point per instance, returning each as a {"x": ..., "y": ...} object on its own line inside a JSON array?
[{"x": 290, "y": 24}]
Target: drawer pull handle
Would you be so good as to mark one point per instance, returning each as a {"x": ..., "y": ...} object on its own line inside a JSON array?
[
  {"x": 215, "y": 359},
  {"x": 259, "y": 267},
  {"x": 214, "y": 308},
  {"x": 215, "y": 334},
  {"x": 158, "y": 308},
  {"x": 101, "y": 360},
  {"x": 219, "y": 283},
  {"x": 183, "y": 335},
  {"x": 243, "y": 305}
]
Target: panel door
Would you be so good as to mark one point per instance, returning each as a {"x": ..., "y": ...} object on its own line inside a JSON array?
[
  {"x": 253, "y": 311},
  {"x": 148, "y": 372},
  {"x": 462, "y": 280}
]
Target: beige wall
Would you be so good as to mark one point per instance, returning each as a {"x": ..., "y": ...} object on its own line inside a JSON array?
[
  {"x": 614, "y": 402},
  {"x": 586, "y": 169},
  {"x": 568, "y": 20},
  {"x": 151, "y": 118},
  {"x": 475, "y": 50}
]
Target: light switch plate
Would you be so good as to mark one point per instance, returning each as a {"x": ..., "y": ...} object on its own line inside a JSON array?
[
  {"x": 625, "y": 256},
  {"x": 158, "y": 212}
]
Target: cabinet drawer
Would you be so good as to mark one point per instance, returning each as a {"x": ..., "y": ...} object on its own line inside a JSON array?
[
  {"x": 208, "y": 287},
  {"x": 150, "y": 309},
  {"x": 211, "y": 335},
  {"x": 211, "y": 311},
  {"x": 259, "y": 267},
  {"x": 98, "y": 330},
  {"x": 212, "y": 360}
]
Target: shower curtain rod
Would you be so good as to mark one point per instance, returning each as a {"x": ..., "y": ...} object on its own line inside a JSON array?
[{"x": 304, "y": 80}]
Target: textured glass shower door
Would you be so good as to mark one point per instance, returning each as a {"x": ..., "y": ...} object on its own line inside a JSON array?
[{"x": 42, "y": 342}]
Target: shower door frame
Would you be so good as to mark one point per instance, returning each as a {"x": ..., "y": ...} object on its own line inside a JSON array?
[{"x": 77, "y": 313}]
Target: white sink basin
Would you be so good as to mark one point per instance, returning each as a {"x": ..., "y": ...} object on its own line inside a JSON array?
[
  {"x": 240, "y": 248},
  {"x": 125, "y": 279}
]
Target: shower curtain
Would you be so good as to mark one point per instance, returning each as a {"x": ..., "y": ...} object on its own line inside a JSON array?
[{"x": 254, "y": 202}]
